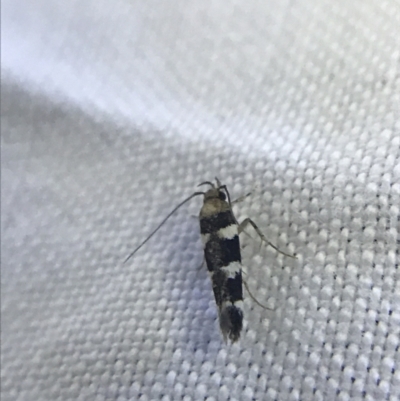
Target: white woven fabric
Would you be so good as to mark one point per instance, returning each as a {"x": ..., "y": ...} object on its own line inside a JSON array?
[{"x": 113, "y": 112}]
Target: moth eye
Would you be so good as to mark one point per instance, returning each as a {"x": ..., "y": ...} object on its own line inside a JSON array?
[{"x": 221, "y": 195}]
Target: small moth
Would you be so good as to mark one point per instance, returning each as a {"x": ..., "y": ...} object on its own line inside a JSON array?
[{"x": 220, "y": 236}]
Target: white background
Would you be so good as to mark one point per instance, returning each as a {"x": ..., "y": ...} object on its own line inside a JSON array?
[{"x": 113, "y": 112}]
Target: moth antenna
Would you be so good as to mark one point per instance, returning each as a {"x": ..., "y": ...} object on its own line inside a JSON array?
[
  {"x": 207, "y": 183},
  {"x": 227, "y": 193},
  {"x": 229, "y": 196},
  {"x": 161, "y": 224}
]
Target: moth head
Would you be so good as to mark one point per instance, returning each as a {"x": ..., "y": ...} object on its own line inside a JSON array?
[{"x": 216, "y": 191}]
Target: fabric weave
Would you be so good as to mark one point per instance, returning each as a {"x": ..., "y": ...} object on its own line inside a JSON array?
[{"x": 113, "y": 112}]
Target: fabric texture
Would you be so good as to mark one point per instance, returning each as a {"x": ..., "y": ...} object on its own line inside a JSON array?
[{"x": 113, "y": 112}]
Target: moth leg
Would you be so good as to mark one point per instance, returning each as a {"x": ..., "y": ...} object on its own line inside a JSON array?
[
  {"x": 253, "y": 297},
  {"x": 238, "y": 200},
  {"x": 241, "y": 198},
  {"x": 202, "y": 264},
  {"x": 248, "y": 221}
]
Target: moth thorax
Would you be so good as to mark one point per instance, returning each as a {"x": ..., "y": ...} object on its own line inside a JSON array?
[{"x": 213, "y": 205}]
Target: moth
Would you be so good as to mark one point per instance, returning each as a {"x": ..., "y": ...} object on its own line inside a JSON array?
[{"x": 220, "y": 236}]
